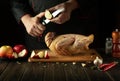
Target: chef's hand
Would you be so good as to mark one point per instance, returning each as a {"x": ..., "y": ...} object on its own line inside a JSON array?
[
  {"x": 33, "y": 25},
  {"x": 69, "y": 6}
]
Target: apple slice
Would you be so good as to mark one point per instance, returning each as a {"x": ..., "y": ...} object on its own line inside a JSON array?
[
  {"x": 46, "y": 56},
  {"x": 23, "y": 53},
  {"x": 48, "y": 15},
  {"x": 15, "y": 55},
  {"x": 34, "y": 55},
  {"x": 40, "y": 54}
]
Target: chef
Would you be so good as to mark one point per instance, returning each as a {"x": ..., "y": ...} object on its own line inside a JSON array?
[{"x": 30, "y": 14}]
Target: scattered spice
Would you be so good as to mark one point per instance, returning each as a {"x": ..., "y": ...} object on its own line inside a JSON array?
[
  {"x": 18, "y": 62},
  {"x": 83, "y": 64},
  {"x": 74, "y": 63},
  {"x": 65, "y": 64},
  {"x": 57, "y": 62}
]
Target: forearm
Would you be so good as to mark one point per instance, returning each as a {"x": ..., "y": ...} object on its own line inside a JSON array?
[{"x": 25, "y": 18}]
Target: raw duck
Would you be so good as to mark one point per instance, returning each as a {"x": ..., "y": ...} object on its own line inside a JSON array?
[{"x": 68, "y": 44}]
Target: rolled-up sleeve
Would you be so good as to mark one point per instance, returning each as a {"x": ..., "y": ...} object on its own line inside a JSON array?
[{"x": 20, "y": 8}]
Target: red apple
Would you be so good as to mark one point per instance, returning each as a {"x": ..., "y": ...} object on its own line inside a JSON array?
[
  {"x": 18, "y": 48},
  {"x": 23, "y": 53}
]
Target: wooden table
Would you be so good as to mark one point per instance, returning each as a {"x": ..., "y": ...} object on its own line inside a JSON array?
[{"x": 18, "y": 70}]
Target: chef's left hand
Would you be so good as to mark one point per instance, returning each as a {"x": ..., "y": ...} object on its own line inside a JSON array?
[{"x": 63, "y": 17}]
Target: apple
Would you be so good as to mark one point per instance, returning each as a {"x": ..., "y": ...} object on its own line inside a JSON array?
[
  {"x": 18, "y": 48},
  {"x": 4, "y": 50},
  {"x": 48, "y": 15},
  {"x": 9, "y": 49},
  {"x": 23, "y": 53}
]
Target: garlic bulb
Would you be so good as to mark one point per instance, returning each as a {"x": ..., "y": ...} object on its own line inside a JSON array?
[{"x": 97, "y": 61}]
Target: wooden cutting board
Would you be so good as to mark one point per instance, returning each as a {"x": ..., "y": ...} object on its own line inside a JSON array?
[{"x": 89, "y": 55}]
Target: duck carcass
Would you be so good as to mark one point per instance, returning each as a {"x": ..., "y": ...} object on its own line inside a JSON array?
[{"x": 68, "y": 44}]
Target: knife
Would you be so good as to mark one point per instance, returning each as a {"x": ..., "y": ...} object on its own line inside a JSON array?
[{"x": 46, "y": 21}]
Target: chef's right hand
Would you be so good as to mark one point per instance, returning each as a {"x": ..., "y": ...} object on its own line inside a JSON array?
[
  {"x": 63, "y": 17},
  {"x": 33, "y": 25}
]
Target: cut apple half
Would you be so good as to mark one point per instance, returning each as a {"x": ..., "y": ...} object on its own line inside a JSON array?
[{"x": 23, "y": 53}]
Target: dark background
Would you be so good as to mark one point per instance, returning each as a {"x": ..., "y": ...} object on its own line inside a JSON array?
[
  {"x": 107, "y": 19},
  {"x": 10, "y": 32}
]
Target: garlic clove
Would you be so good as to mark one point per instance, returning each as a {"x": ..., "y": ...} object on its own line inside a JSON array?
[{"x": 97, "y": 61}]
